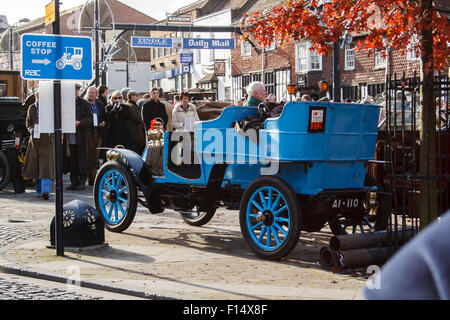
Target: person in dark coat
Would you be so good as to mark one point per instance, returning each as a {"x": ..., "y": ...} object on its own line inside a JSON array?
[
  {"x": 154, "y": 109},
  {"x": 39, "y": 157},
  {"x": 79, "y": 143},
  {"x": 103, "y": 94},
  {"x": 117, "y": 132},
  {"x": 98, "y": 131},
  {"x": 134, "y": 123}
]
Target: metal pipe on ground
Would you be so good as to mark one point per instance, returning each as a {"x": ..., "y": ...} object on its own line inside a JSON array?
[
  {"x": 367, "y": 240},
  {"x": 362, "y": 257},
  {"x": 326, "y": 258}
]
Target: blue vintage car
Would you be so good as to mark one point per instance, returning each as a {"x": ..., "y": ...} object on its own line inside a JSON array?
[{"x": 294, "y": 173}]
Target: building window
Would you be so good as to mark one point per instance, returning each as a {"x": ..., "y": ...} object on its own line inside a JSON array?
[
  {"x": 302, "y": 57},
  {"x": 350, "y": 56},
  {"x": 411, "y": 53},
  {"x": 351, "y": 92},
  {"x": 307, "y": 60},
  {"x": 246, "y": 48},
  {"x": 273, "y": 46},
  {"x": 375, "y": 90},
  {"x": 269, "y": 81},
  {"x": 380, "y": 62}
]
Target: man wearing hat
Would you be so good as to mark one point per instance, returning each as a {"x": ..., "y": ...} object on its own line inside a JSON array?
[
  {"x": 79, "y": 142},
  {"x": 134, "y": 123}
]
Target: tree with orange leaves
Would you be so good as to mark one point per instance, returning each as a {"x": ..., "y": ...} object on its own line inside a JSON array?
[{"x": 391, "y": 23}]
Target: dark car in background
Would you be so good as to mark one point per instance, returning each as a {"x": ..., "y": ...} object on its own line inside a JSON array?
[{"x": 13, "y": 141}]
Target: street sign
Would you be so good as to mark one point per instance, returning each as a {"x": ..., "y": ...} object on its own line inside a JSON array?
[
  {"x": 186, "y": 58},
  {"x": 147, "y": 42},
  {"x": 50, "y": 15},
  {"x": 179, "y": 19},
  {"x": 55, "y": 57},
  {"x": 212, "y": 44}
]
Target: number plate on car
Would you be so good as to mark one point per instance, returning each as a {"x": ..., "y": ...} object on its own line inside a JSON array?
[{"x": 345, "y": 203}]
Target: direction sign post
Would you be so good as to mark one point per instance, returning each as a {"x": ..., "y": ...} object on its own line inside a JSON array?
[
  {"x": 55, "y": 57},
  {"x": 59, "y": 244}
]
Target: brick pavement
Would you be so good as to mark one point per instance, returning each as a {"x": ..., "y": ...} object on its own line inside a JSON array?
[{"x": 160, "y": 254}]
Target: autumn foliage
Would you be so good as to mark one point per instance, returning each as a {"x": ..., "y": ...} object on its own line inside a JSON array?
[{"x": 393, "y": 23}]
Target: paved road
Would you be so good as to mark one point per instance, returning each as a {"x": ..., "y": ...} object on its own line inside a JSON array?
[{"x": 161, "y": 254}]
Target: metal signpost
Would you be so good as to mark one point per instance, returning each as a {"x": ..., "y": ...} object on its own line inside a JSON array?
[{"x": 55, "y": 57}]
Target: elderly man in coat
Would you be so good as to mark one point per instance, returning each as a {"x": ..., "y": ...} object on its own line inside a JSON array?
[
  {"x": 80, "y": 142},
  {"x": 39, "y": 158}
]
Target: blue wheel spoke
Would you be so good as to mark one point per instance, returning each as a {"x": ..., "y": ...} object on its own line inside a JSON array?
[
  {"x": 113, "y": 180},
  {"x": 257, "y": 206},
  {"x": 361, "y": 227},
  {"x": 280, "y": 228},
  {"x": 253, "y": 215},
  {"x": 122, "y": 199},
  {"x": 116, "y": 211},
  {"x": 104, "y": 191},
  {"x": 122, "y": 190},
  {"x": 256, "y": 226},
  {"x": 119, "y": 181},
  {"x": 368, "y": 223},
  {"x": 275, "y": 235},
  {"x": 110, "y": 210},
  {"x": 109, "y": 184},
  {"x": 280, "y": 210},
  {"x": 263, "y": 232},
  {"x": 263, "y": 200},
  {"x": 120, "y": 207},
  {"x": 277, "y": 201},
  {"x": 269, "y": 236},
  {"x": 106, "y": 203}
]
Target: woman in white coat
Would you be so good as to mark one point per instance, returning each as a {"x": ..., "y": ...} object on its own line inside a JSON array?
[{"x": 184, "y": 114}]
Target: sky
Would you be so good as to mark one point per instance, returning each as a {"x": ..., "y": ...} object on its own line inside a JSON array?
[{"x": 32, "y": 9}]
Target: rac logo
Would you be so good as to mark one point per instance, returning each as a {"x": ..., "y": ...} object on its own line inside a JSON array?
[{"x": 32, "y": 73}]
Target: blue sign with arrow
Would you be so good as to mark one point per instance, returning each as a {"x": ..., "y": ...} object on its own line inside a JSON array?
[{"x": 55, "y": 57}]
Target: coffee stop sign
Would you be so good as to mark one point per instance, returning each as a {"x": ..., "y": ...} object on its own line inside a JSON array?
[{"x": 55, "y": 57}]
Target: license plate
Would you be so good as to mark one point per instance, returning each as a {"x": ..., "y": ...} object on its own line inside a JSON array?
[{"x": 345, "y": 203}]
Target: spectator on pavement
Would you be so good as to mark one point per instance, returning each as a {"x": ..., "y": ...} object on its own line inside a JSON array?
[
  {"x": 168, "y": 109},
  {"x": 154, "y": 109},
  {"x": 124, "y": 93},
  {"x": 39, "y": 157},
  {"x": 134, "y": 123},
  {"x": 80, "y": 142},
  {"x": 117, "y": 132},
  {"x": 184, "y": 114},
  {"x": 142, "y": 101},
  {"x": 98, "y": 131},
  {"x": 103, "y": 94}
]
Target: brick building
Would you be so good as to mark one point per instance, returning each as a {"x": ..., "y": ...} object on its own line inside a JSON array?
[{"x": 275, "y": 66}]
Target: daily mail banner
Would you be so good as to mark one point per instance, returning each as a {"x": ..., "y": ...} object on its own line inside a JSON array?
[{"x": 212, "y": 44}]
